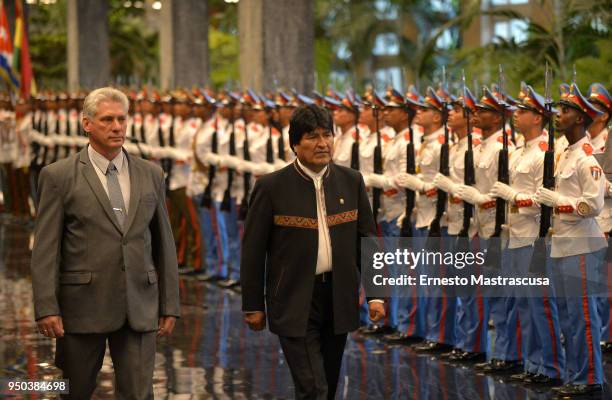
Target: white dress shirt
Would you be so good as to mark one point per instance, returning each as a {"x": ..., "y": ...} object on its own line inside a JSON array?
[
  {"x": 324, "y": 252},
  {"x": 100, "y": 164}
]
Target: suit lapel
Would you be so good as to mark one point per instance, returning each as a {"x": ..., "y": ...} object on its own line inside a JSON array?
[
  {"x": 96, "y": 187},
  {"x": 135, "y": 180}
]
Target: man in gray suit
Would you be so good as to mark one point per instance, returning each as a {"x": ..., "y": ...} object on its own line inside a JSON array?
[{"x": 104, "y": 263}]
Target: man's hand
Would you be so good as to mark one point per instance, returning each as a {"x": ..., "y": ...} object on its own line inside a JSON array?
[
  {"x": 377, "y": 310},
  {"x": 51, "y": 326},
  {"x": 255, "y": 320},
  {"x": 166, "y": 326}
]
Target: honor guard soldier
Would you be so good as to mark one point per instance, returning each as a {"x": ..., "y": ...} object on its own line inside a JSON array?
[
  {"x": 405, "y": 321},
  {"x": 489, "y": 118},
  {"x": 540, "y": 332},
  {"x": 179, "y": 152},
  {"x": 470, "y": 323},
  {"x": 577, "y": 244},
  {"x": 598, "y": 134}
]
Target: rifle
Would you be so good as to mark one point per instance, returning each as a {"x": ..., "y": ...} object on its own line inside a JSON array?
[
  {"x": 378, "y": 167},
  {"x": 355, "y": 146},
  {"x": 169, "y": 161},
  {"x": 45, "y": 128},
  {"x": 212, "y": 170},
  {"x": 162, "y": 143},
  {"x": 493, "y": 256},
  {"x": 67, "y": 147},
  {"x": 269, "y": 145},
  {"x": 538, "y": 259},
  {"x": 406, "y": 229},
  {"x": 226, "y": 204},
  {"x": 35, "y": 145},
  {"x": 247, "y": 177},
  {"x": 57, "y": 132},
  {"x": 434, "y": 228},
  {"x": 469, "y": 177},
  {"x": 281, "y": 145}
]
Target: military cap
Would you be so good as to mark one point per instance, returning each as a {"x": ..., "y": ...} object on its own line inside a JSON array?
[
  {"x": 576, "y": 100},
  {"x": 490, "y": 102},
  {"x": 598, "y": 94}
]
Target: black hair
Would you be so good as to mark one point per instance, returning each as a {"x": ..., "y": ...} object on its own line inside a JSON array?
[{"x": 307, "y": 119}]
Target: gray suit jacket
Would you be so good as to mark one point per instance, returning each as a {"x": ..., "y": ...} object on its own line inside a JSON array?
[{"x": 85, "y": 268}]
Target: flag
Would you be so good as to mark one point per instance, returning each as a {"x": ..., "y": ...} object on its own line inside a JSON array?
[
  {"x": 21, "y": 55},
  {"x": 6, "y": 50}
]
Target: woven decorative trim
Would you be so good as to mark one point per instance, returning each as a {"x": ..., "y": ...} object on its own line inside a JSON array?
[
  {"x": 342, "y": 218},
  {"x": 295, "y": 222},
  {"x": 312, "y": 223}
]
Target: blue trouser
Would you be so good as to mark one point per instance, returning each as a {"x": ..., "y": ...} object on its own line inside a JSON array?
[
  {"x": 472, "y": 311},
  {"x": 603, "y": 302},
  {"x": 404, "y": 312},
  {"x": 537, "y": 312},
  {"x": 212, "y": 237},
  {"x": 390, "y": 231},
  {"x": 441, "y": 307},
  {"x": 231, "y": 269},
  {"x": 504, "y": 315},
  {"x": 578, "y": 317}
]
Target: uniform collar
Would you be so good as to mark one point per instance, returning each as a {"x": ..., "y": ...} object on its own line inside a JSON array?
[
  {"x": 433, "y": 136},
  {"x": 578, "y": 145},
  {"x": 309, "y": 174},
  {"x": 494, "y": 137}
]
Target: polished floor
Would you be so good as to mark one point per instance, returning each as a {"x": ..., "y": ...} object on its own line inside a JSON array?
[{"x": 212, "y": 355}]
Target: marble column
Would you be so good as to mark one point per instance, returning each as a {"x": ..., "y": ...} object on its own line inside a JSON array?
[
  {"x": 276, "y": 44},
  {"x": 183, "y": 43},
  {"x": 88, "y": 44}
]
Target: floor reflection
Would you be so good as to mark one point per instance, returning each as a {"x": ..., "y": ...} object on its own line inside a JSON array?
[{"x": 212, "y": 355}]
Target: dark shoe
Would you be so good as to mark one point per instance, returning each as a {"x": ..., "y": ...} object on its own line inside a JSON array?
[
  {"x": 430, "y": 347},
  {"x": 481, "y": 366},
  {"x": 498, "y": 366},
  {"x": 205, "y": 277},
  {"x": 577, "y": 390},
  {"x": 543, "y": 380},
  {"x": 606, "y": 347},
  {"x": 400, "y": 338},
  {"x": 451, "y": 354},
  {"x": 376, "y": 329},
  {"x": 522, "y": 377},
  {"x": 470, "y": 357},
  {"x": 228, "y": 283},
  {"x": 185, "y": 270}
]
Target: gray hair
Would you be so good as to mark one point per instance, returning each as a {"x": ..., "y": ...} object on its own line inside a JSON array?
[{"x": 94, "y": 98}]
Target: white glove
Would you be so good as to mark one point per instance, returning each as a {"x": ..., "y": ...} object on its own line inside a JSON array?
[
  {"x": 376, "y": 181},
  {"x": 229, "y": 162},
  {"x": 472, "y": 195},
  {"x": 445, "y": 183},
  {"x": 146, "y": 149},
  {"x": 548, "y": 197},
  {"x": 409, "y": 181},
  {"x": 82, "y": 141},
  {"x": 178, "y": 154},
  {"x": 212, "y": 159},
  {"x": 243, "y": 165},
  {"x": 503, "y": 191},
  {"x": 262, "y": 168},
  {"x": 608, "y": 191},
  {"x": 279, "y": 164},
  {"x": 400, "y": 220}
]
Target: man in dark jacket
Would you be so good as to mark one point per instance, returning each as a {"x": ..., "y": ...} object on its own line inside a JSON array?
[{"x": 301, "y": 255}]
